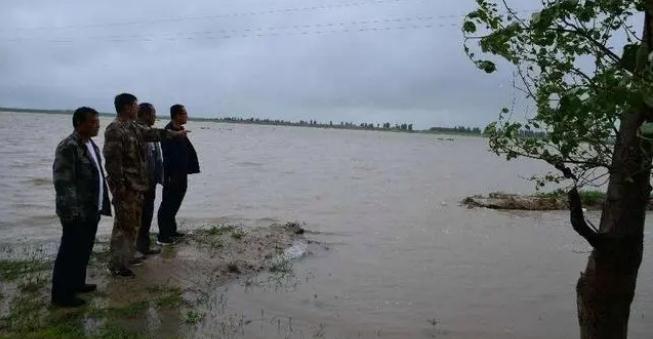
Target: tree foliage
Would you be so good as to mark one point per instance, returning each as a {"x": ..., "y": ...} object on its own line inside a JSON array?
[{"x": 582, "y": 63}]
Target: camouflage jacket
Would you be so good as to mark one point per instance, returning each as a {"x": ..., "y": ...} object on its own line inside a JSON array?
[
  {"x": 124, "y": 151},
  {"x": 75, "y": 178}
]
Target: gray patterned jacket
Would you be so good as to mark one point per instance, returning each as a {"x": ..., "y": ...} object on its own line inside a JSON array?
[{"x": 76, "y": 183}]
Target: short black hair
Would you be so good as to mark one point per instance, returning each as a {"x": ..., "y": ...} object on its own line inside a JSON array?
[
  {"x": 82, "y": 114},
  {"x": 145, "y": 108},
  {"x": 122, "y": 100},
  {"x": 175, "y": 110}
]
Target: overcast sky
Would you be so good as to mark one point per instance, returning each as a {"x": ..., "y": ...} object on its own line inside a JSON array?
[{"x": 339, "y": 60}]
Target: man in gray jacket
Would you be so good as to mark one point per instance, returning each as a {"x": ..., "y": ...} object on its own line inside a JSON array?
[{"x": 82, "y": 197}]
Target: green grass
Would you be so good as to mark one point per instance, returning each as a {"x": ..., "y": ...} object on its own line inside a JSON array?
[
  {"x": 115, "y": 331},
  {"x": 11, "y": 270},
  {"x": 238, "y": 233},
  {"x": 128, "y": 311},
  {"x": 193, "y": 317},
  {"x": 557, "y": 194},
  {"x": 592, "y": 197},
  {"x": 215, "y": 236},
  {"x": 588, "y": 198},
  {"x": 30, "y": 315},
  {"x": 34, "y": 283},
  {"x": 64, "y": 328},
  {"x": 282, "y": 265},
  {"x": 166, "y": 296},
  {"x": 219, "y": 230},
  {"x": 26, "y": 315}
]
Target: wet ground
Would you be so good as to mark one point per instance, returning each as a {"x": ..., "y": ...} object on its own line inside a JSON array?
[{"x": 172, "y": 295}]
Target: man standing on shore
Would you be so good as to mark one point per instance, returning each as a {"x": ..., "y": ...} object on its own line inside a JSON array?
[
  {"x": 81, "y": 198},
  {"x": 179, "y": 160},
  {"x": 154, "y": 160},
  {"x": 124, "y": 141}
]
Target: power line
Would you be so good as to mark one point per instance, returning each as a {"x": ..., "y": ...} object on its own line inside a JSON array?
[
  {"x": 247, "y": 31},
  {"x": 257, "y": 31},
  {"x": 289, "y": 10},
  {"x": 252, "y": 34}
]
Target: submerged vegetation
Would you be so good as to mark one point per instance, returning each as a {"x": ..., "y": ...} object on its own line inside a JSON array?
[{"x": 555, "y": 200}]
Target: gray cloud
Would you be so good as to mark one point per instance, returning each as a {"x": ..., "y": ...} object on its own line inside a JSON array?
[{"x": 166, "y": 52}]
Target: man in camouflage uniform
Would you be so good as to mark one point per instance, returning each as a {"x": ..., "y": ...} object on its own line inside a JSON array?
[
  {"x": 81, "y": 199},
  {"x": 126, "y": 165}
]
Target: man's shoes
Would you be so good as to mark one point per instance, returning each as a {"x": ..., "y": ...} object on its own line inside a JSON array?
[
  {"x": 178, "y": 235},
  {"x": 69, "y": 302},
  {"x": 165, "y": 241},
  {"x": 122, "y": 272},
  {"x": 86, "y": 288},
  {"x": 136, "y": 261},
  {"x": 139, "y": 255},
  {"x": 151, "y": 251}
]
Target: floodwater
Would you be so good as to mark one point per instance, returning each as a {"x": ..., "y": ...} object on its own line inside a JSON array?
[{"x": 404, "y": 260}]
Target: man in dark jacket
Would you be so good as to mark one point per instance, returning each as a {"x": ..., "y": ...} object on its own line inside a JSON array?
[
  {"x": 82, "y": 197},
  {"x": 179, "y": 160}
]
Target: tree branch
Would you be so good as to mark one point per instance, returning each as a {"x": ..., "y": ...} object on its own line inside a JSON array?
[
  {"x": 579, "y": 32},
  {"x": 578, "y": 222}
]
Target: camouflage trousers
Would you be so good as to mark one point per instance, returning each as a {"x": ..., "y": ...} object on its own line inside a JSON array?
[{"x": 126, "y": 224}]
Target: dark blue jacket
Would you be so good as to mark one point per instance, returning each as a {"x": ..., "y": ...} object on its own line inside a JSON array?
[{"x": 179, "y": 156}]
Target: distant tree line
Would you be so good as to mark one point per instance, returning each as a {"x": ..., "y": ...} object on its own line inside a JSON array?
[
  {"x": 314, "y": 123},
  {"x": 387, "y": 126},
  {"x": 457, "y": 129}
]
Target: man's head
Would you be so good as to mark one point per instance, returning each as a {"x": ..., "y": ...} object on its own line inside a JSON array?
[
  {"x": 86, "y": 122},
  {"x": 178, "y": 114},
  {"x": 146, "y": 113},
  {"x": 126, "y": 105}
]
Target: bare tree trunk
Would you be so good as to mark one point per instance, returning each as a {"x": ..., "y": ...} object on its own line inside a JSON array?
[{"x": 606, "y": 289}]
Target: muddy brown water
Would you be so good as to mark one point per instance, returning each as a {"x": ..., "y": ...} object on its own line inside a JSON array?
[{"x": 404, "y": 259}]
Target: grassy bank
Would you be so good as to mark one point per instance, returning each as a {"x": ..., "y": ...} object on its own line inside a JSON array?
[{"x": 169, "y": 297}]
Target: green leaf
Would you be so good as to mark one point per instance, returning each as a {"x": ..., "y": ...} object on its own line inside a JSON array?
[
  {"x": 646, "y": 130},
  {"x": 648, "y": 99},
  {"x": 629, "y": 58},
  {"x": 642, "y": 56},
  {"x": 469, "y": 27},
  {"x": 487, "y": 66}
]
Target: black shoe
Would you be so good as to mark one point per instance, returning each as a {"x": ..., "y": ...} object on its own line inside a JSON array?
[
  {"x": 165, "y": 241},
  {"x": 136, "y": 262},
  {"x": 122, "y": 272},
  {"x": 139, "y": 255},
  {"x": 151, "y": 251},
  {"x": 86, "y": 288},
  {"x": 68, "y": 302},
  {"x": 178, "y": 235}
]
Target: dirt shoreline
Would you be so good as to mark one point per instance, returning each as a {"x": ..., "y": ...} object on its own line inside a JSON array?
[{"x": 168, "y": 295}]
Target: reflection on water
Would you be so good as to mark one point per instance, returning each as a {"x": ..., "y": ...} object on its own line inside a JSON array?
[{"x": 404, "y": 259}]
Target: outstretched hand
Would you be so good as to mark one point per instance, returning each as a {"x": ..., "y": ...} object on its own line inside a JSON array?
[{"x": 180, "y": 134}]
